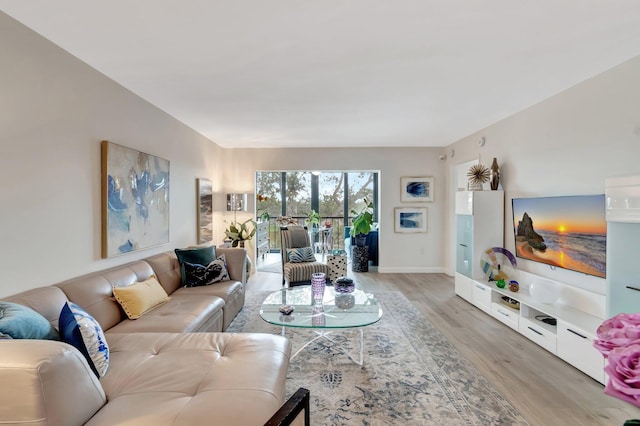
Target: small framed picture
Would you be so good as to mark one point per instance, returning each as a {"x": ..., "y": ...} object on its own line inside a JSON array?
[
  {"x": 410, "y": 219},
  {"x": 416, "y": 189}
]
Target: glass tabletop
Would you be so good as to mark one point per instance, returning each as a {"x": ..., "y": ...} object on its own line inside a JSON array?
[{"x": 338, "y": 310}]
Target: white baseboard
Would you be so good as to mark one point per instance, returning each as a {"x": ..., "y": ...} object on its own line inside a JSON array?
[{"x": 411, "y": 270}]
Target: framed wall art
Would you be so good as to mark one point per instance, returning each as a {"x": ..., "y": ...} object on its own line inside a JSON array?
[
  {"x": 416, "y": 189},
  {"x": 135, "y": 200},
  {"x": 410, "y": 219},
  {"x": 205, "y": 210}
]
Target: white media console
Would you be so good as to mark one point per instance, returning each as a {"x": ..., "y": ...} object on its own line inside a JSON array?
[{"x": 578, "y": 312}]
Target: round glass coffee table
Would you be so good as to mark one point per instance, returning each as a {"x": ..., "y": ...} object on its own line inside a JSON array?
[{"x": 337, "y": 311}]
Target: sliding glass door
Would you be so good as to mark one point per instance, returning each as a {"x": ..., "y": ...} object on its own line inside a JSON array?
[{"x": 297, "y": 193}]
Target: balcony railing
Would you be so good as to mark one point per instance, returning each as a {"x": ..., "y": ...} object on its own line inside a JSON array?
[{"x": 336, "y": 242}]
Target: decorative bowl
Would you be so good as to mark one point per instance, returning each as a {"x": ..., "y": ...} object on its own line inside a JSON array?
[
  {"x": 544, "y": 291},
  {"x": 344, "y": 285},
  {"x": 512, "y": 303}
]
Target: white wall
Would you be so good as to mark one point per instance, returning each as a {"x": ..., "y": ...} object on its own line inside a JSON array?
[
  {"x": 397, "y": 252},
  {"x": 565, "y": 145},
  {"x": 54, "y": 111}
]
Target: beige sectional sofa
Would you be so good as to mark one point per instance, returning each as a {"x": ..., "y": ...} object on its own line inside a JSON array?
[{"x": 172, "y": 366}]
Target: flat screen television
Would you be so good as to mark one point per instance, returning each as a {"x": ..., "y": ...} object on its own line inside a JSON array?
[{"x": 569, "y": 232}]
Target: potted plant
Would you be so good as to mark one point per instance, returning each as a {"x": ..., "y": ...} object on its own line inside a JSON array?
[
  {"x": 239, "y": 233},
  {"x": 313, "y": 218},
  {"x": 361, "y": 225},
  {"x": 264, "y": 216}
]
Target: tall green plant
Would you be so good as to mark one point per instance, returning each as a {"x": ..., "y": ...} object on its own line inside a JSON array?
[{"x": 363, "y": 220}]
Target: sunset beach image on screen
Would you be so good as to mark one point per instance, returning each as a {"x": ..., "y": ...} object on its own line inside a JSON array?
[{"x": 569, "y": 232}]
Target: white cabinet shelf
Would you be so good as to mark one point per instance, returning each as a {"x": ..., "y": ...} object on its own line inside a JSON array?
[
  {"x": 479, "y": 226},
  {"x": 543, "y": 334},
  {"x": 464, "y": 287},
  {"x": 505, "y": 314},
  {"x": 575, "y": 346},
  {"x": 481, "y": 296},
  {"x": 623, "y": 233},
  {"x": 571, "y": 339}
]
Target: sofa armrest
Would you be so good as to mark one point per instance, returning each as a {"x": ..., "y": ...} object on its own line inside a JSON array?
[
  {"x": 46, "y": 382},
  {"x": 291, "y": 410},
  {"x": 236, "y": 262}
]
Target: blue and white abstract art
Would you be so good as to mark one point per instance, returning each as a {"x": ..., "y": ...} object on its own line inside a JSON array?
[
  {"x": 135, "y": 200},
  {"x": 410, "y": 220},
  {"x": 416, "y": 189}
]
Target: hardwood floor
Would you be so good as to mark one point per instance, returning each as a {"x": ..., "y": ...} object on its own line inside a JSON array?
[{"x": 545, "y": 389}]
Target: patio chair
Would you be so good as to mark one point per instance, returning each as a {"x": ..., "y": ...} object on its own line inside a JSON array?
[{"x": 298, "y": 257}]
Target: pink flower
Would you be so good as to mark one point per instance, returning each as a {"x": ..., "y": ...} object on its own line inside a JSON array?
[
  {"x": 619, "y": 331},
  {"x": 624, "y": 374}
]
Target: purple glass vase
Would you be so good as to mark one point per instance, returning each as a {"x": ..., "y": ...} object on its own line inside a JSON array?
[{"x": 318, "y": 282}]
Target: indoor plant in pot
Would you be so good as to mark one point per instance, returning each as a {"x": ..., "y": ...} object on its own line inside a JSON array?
[
  {"x": 313, "y": 219},
  {"x": 362, "y": 222},
  {"x": 238, "y": 233}
]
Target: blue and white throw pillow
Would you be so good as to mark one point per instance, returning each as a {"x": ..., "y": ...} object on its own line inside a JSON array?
[
  {"x": 301, "y": 254},
  {"x": 82, "y": 331},
  {"x": 199, "y": 275}
]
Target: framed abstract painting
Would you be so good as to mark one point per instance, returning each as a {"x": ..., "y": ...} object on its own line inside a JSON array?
[
  {"x": 416, "y": 189},
  {"x": 410, "y": 219},
  {"x": 205, "y": 210},
  {"x": 135, "y": 200}
]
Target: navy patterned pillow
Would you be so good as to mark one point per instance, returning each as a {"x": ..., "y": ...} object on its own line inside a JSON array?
[
  {"x": 199, "y": 275},
  {"x": 81, "y": 330},
  {"x": 301, "y": 254},
  {"x": 196, "y": 256}
]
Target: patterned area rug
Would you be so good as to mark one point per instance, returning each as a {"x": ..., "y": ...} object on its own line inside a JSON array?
[
  {"x": 275, "y": 268},
  {"x": 412, "y": 374}
]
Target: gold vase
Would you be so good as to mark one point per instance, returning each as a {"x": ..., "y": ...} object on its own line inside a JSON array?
[{"x": 494, "y": 177}]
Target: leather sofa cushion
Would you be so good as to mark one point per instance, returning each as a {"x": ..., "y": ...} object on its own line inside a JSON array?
[
  {"x": 45, "y": 382},
  {"x": 48, "y": 301},
  {"x": 94, "y": 292},
  {"x": 167, "y": 269},
  {"x": 183, "y": 313},
  {"x": 194, "y": 379},
  {"x": 232, "y": 292}
]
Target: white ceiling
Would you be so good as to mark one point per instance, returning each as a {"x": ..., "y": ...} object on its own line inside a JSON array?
[{"x": 325, "y": 73}]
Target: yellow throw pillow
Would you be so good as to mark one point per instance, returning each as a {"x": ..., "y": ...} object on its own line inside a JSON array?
[{"x": 139, "y": 298}]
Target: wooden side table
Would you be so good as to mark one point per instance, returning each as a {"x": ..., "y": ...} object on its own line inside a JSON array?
[{"x": 360, "y": 259}]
